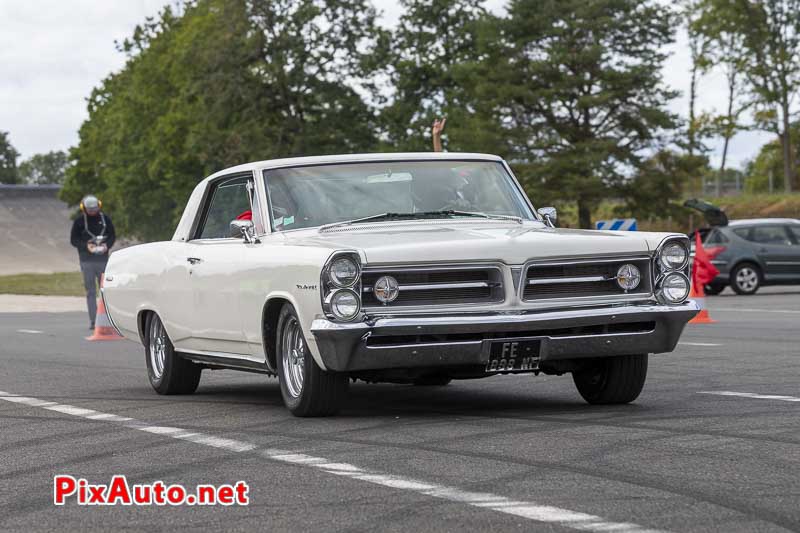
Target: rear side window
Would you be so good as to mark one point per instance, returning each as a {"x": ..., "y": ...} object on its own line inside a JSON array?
[
  {"x": 795, "y": 231},
  {"x": 229, "y": 200},
  {"x": 771, "y": 235},
  {"x": 744, "y": 233},
  {"x": 716, "y": 237}
]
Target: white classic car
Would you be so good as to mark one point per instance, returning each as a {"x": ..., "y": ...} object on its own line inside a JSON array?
[{"x": 406, "y": 268}]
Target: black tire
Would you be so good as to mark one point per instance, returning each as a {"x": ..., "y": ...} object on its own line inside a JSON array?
[
  {"x": 712, "y": 289},
  {"x": 319, "y": 393},
  {"x": 612, "y": 380},
  {"x": 746, "y": 279},
  {"x": 432, "y": 381},
  {"x": 177, "y": 375}
]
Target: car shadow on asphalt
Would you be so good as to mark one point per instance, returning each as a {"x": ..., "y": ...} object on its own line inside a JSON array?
[{"x": 458, "y": 398}]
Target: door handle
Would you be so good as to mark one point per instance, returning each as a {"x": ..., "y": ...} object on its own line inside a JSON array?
[{"x": 194, "y": 260}]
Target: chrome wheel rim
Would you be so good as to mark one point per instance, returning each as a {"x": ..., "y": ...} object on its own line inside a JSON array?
[
  {"x": 158, "y": 348},
  {"x": 747, "y": 279},
  {"x": 293, "y": 356}
]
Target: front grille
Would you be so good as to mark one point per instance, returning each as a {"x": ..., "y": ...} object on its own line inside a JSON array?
[
  {"x": 436, "y": 286},
  {"x": 582, "y": 279}
]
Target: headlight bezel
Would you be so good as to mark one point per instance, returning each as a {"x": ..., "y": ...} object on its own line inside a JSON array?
[
  {"x": 332, "y": 306},
  {"x": 661, "y": 269},
  {"x": 660, "y": 294},
  {"x": 329, "y": 286},
  {"x": 665, "y": 265},
  {"x": 334, "y": 278}
]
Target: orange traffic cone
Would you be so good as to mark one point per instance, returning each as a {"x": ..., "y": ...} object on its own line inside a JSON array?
[
  {"x": 103, "y": 330},
  {"x": 698, "y": 295}
]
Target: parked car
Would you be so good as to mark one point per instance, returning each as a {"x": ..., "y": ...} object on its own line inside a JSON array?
[
  {"x": 753, "y": 253},
  {"x": 405, "y": 268},
  {"x": 749, "y": 253}
]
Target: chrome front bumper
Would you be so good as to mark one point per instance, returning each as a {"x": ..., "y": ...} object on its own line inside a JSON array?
[{"x": 434, "y": 341}]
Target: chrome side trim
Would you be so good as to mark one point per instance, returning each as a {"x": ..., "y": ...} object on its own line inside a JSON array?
[
  {"x": 108, "y": 314},
  {"x": 224, "y": 355}
]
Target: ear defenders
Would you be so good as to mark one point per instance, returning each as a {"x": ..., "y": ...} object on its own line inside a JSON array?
[{"x": 85, "y": 198}]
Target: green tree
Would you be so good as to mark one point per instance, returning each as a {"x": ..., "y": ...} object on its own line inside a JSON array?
[
  {"x": 43, "y": 169},
  {"x": 433, "y": 40},
  {"x": 577, "y": 88},
  {"x": 763, "y": 173},
  {"x": 8, "y": 160},
  {"x": 699, "y": 49},
  {"x": 769, "y": 31},
  {"x": 221, "y": 83},
  {"x": 658, "y": 182}
]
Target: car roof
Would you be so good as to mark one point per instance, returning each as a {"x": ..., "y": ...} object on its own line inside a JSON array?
[
  {"x": 355, "y": 158},
  {"x": 761, "y": 221}
]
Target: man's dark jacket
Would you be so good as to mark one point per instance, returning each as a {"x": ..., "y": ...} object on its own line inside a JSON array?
[{"x": 79, "y": 237}]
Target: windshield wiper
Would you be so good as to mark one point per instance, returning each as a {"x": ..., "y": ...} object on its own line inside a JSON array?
[{"x": 419, "y": 214}]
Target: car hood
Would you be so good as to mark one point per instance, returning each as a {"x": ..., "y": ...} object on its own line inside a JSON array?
[{"x": 461, "y": 241}]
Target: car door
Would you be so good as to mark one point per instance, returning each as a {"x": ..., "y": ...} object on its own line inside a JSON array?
[
  {"x": 214, "y": 259},
  {"x": 794, "y": 233},
  {"x": 775, "y": 249}
]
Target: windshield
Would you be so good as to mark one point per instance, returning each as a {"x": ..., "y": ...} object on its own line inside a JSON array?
[{"x": 303, "y": 197}]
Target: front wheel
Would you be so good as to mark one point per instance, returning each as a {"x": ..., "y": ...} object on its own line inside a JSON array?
[
  {"x": 307, "y": 390},
  {"x": 612, "y": 380},
  {"x": 745, "y": 279},
  {"x": 168, "y": 372}
]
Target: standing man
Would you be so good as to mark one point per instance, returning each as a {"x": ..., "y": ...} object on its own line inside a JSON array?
[{"x": 93, "y": 235}]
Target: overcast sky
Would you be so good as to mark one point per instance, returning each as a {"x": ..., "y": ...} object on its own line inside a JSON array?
[{"x": 53, "y": 52}]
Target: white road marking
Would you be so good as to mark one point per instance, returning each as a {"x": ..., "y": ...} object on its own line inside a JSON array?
[
  {"x": 494, "y": 502},
  {"x": 699, "y": 344},
  {"x": 31, "y": 331},
  {"x": 747, "y": 310},
  {"x": 753, "y": 395}
]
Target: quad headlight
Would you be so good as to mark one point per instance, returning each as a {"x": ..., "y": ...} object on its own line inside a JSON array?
[
  {"x": 345, "y": 304},
  {"x": 674, "y": 256},
  {"x": 343, "y": 272},
  {"x": 341, "y": 286},
  {"x": 673, "y": 288}
]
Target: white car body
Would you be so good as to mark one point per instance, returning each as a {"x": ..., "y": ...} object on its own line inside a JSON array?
[{"x": 215, "y": 308}]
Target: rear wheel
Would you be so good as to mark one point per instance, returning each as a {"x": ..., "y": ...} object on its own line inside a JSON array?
[
  {"x": 307, "y": 390},
  {"x": 612, "y": 380},
  {"x": 168, "y": 372},
  {"x": 746, "y": 279}
]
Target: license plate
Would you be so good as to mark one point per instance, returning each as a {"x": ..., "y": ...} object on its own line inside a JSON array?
[{"x": 514, "y": 356}]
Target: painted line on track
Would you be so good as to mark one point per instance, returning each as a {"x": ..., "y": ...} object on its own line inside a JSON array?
[
  {"x": 752, "y": 395},
  {"x": 31, "y": 331},
  {"x": 483, "y": 500},
  {"x": 704, "y": 344},
  {"x": 748, "y": 310}
]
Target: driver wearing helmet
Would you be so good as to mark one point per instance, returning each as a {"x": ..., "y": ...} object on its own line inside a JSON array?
[{"x": 93, "y": 235}]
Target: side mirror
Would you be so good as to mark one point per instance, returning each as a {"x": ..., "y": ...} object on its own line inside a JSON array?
[
  {"x": 244, "y": 229},
  {"x": 549, "y": 215}
]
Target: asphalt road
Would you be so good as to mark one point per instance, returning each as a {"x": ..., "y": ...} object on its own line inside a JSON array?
[{"x": 505, "y": 453}]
